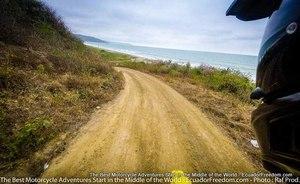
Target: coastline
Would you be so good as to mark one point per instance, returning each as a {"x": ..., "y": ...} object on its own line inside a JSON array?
[{"x": 149, "y": 59}]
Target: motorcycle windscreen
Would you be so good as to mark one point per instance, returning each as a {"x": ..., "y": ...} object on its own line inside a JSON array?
[{"x": 247, "y": 10}]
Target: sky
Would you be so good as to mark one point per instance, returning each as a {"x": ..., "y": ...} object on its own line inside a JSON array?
[{"x": 180, "y": 24}]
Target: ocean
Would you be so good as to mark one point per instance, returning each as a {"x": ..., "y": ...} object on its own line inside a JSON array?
[{"x": 246, "y": 64}]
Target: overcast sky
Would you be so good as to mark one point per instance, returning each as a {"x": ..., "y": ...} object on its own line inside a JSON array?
[{"x": 181, "y": 24}]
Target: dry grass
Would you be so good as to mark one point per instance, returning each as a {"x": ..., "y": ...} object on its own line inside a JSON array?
[{"x": 45, "y": 94}]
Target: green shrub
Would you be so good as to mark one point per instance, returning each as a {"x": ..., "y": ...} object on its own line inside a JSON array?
[
  {"x": 163, "y": 69},
  {"x": 31, "y": 135},
  {"x": 40, "y": 69},
  {"x": 46, "y": 30},
  {"x": 174, "y": 73},
  {"x": 4, "y": 136},
  {"x": 228, "y": 81},
  {"x": 34, "y": 133},
  {"x": 4, "y": 77},
  {"x": 196, "y": 71}
]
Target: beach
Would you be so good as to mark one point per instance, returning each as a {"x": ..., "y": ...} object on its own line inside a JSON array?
[{"x": 245, "y": 64}]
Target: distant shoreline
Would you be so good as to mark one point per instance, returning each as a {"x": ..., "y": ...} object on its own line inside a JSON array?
[
  {"x": 141, "y": 58},
  {"x": 148, "y": 59}
]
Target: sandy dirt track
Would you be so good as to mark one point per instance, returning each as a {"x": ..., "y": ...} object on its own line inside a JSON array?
[{"x": 149, "y": 127}]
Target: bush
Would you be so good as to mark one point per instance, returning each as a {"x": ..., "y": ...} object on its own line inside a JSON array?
[
  {"x": 174, "y": 73},
  {"x": 31, "y": 136},
  {"x": 40, "y": 69}
]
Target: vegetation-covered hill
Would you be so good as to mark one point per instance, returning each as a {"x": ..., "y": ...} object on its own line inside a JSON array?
[
  {"x": 85, "y": 38},
  {"x": 50, "y": 83}
]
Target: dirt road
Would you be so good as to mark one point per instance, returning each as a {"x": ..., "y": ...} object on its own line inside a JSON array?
[{"x": 149, "y": 127}]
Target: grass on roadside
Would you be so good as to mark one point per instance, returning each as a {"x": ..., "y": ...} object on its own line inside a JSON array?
[{"x": 44, "y": 94}]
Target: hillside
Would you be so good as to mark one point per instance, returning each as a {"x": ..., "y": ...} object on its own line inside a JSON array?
[
  {"x": 85, "y": 38},
  {"x": 50, "y": 83}
]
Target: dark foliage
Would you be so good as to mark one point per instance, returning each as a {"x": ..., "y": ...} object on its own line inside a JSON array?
[{"x": 24, "y": 20}]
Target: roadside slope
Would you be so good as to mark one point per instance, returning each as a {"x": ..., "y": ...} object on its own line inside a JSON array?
[
  {"x": 50, "y": 83},
  {"x": 149, "y": 127}
]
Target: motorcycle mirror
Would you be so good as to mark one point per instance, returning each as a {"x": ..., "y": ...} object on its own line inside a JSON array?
[{"x": 248, "y": 10}]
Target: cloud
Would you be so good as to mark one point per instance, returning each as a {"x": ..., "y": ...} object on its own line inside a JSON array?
[{"x": 190, "y": 24}]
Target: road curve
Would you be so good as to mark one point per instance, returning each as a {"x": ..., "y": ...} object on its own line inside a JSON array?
[{"x": 149, "y": 127}]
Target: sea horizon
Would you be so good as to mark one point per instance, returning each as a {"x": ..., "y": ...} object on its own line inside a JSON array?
[{"x": 246, "y": 64}]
